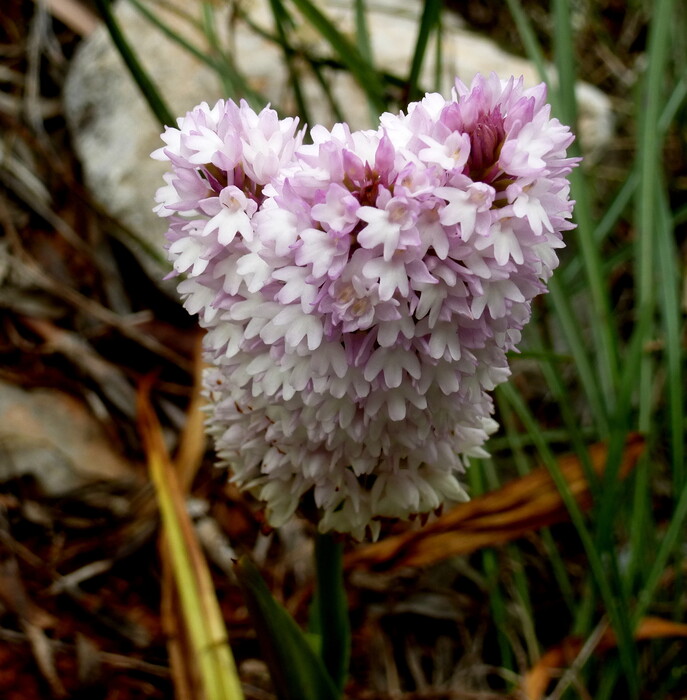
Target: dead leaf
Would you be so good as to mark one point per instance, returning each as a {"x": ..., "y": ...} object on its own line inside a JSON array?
[
  {"x": 201, "y": 619},
  {"x": 537, "y": 679},
  {"x": 193, "y": 441},
  {"x": 33, "y": 621},
  {"x": 521, "y": 506}
]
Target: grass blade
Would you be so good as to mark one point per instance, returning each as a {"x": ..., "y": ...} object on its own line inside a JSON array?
[
  {"x": 671, "y": 313},
  {"x": 151, "y": 94},
  {"x": 528, "y": 37},
  {"x": 199, "y": 605},
  {"x": 614, "y": 600},
  {"x": 284, "y": 24},
  {"x": 331, "y": 607},
  {"x": 364, "y": 73},
  {"x": 297, "y": 671},
  {"x": 429, "y": 22}
]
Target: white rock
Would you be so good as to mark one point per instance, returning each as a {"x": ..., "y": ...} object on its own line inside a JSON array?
[{"x": 114, "y": 131}]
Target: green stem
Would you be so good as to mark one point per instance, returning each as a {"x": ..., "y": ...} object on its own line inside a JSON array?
[
  {"x": 157, "y": 105},
  {"x": 331, "y": 608}
]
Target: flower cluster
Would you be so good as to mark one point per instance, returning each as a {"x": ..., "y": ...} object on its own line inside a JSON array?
[{"x": 360, "y": 292}]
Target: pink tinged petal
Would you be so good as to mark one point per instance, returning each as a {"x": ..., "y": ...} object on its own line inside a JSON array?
[
  {"x": 504, "y": 242},
  {"x": 391, "y": 275},
  {"x": 478, "y": 266},
  {"x": 431, "y": 299},
  {"x": 444, "y": 342},
  {"x": 277, "y": 226},
  {"x": 532, "y": 208},
  {"x": 339, "y": 209},
  {"x": 187, "y": 252},
  {"x": 298, "y": 326},
  {"x": 206, "y": 144},
  {"x": 254, "y": 270},
  {"x": 253, "y": 308},
  {"x": 296, "y": 287},
  {"x": 197, "y": 297},
  {"x": 459, "y": 210},
  {"x": 392, "y": 363},
  {"x": 450, "y": 155},
  {"x": 225, "y": 269},
  {"x": 380, "y": 231},
  {"x": 319, "y": 249},
  {"x": 388, "y": 332},
  {"x": 448, "y": 378}
]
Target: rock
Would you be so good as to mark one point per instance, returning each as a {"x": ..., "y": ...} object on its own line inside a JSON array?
[
  {"x": 51, "y": 436},
  {"x": 114, "y": 131}
]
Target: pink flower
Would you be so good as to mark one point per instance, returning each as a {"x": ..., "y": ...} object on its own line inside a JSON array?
[{"x": 360, "y": 292}]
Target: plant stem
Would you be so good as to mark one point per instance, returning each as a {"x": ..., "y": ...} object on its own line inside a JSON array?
[{"x": 332, "y": 608}]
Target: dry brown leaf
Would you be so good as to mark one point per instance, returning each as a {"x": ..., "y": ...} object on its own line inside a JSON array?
[
  {"x": 183, "y": 670},
  {"x": 201, "y": 619},
  {"x": 521, "y": 506},
  {"x": 183, "y": 666},
  {"x": 537, "y": 679},
  {"x": 193, "y": 441}
]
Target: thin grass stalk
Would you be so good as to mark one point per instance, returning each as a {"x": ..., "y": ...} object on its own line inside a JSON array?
[
  {"x": 649, "y": 153},
  {"x": 325, "y": 86},
  {"x": 564, "y": 58},
  {"x": 175, "y": 36},
  {"x": 549, "y": 367},
  {"x": 559, "y": 301},
  {"x": 623, "y": 197},
  {"x": 520, "y": 583},
  {"x": 671, "y": 540},
  {"x": 559, "y": 296},
  {"x": 362, "y": 33},
  {"x": 199, "y": 606},
  {"x": 574, "y": 268},
  {"x": 615, "y": 603},
  {"x": 360, "y": 69},
  {"x": 233, "y": 82},
  {"x": 648, "y": 202},
  {"x": 282, "y": 22},
  {"x": 528, "y": 37},
  {"x": 523, "y": 467},
  {"x": 491, "y": 568},
  {"x": 364, "y": 44},
  {"x": 671, "y": 315},
  {"x": 606, "y": 509},
  {"x": 600, "y": 317},
  {"x": 229, "y": 86},
  {"x": 439, "y": 54},
  {"x": 429, "y": 22},
  {"x": 522, "y": 596},
  {"x": 151, "y": 94},
  {"x": 332, "y": 607}
]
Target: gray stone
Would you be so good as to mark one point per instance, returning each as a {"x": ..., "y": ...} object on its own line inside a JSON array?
[{"x": 51, "y": 436}]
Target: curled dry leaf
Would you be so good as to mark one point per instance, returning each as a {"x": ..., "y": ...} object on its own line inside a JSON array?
[
  {"x": 537, "y": 679},
  {"x": 521, "y": 506}
]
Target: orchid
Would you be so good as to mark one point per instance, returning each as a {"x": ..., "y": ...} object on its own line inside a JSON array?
[{"x": 360, "y": 292}]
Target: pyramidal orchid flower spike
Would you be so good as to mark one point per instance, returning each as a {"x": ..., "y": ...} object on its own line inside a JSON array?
[{"x": 360, "y": 291}]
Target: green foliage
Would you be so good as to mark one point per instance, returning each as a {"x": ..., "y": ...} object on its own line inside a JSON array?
[
  {"x": 330, "y": 609},
  {"x": 297, "y": 671}
]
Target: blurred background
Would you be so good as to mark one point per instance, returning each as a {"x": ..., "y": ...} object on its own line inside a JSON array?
[{"x": 566, "y": 579}]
